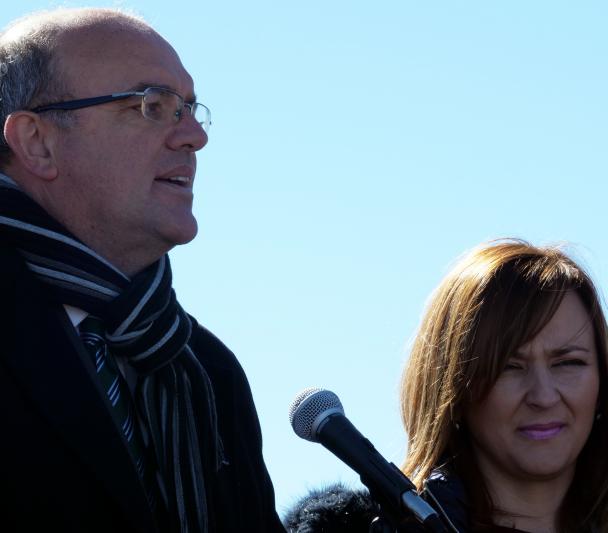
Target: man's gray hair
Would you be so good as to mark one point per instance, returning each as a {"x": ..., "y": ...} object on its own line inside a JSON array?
[{"x": 30, "y": 73}]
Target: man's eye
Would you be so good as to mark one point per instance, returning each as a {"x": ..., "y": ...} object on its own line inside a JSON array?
[{"x": 155, "y": 110}]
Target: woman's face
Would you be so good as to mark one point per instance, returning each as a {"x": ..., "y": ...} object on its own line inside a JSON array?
[{"x": 539, "y": 413}]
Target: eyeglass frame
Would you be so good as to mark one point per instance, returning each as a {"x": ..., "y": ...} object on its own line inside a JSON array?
[{"x": 70, "y": 105}]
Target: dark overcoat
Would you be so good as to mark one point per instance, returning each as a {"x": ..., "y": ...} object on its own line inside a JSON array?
[{"x": 64, "y": 465}]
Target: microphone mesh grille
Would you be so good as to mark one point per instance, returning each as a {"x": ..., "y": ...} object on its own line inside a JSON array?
[{"x": 307, "y": 406}]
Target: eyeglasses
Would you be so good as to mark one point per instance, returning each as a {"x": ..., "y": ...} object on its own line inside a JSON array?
[{"x": 157, "y": 104}]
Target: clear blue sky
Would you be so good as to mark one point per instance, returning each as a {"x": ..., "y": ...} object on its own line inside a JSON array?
[{"x": 357, "y": 149}]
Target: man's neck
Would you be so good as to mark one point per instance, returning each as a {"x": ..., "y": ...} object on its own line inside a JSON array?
[{"x": 128, "y": 257}]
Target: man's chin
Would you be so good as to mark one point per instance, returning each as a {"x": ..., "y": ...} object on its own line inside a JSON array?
[{"x": 183, "y": 233}]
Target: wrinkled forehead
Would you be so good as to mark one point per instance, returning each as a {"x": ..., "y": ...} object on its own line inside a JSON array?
[{"x": 115, "y": 56}]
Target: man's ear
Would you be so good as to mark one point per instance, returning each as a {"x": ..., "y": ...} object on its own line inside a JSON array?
[{"x": 29, "y": 139}]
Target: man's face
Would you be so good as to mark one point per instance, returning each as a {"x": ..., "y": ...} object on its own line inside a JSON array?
[{"x": 115, "y": 165}]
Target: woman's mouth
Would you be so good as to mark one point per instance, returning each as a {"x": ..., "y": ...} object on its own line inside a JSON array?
[{"x": 541, "y": 431}]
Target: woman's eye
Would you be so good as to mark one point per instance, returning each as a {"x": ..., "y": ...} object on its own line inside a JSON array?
[
  {"x": 513, "y": 366},
  {"x": 570, "y": 362}
]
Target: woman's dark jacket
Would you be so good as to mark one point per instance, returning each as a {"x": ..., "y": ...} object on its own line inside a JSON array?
[{"x": 338, "y": 509}]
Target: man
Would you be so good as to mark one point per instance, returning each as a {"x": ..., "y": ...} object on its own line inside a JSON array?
[{"x": 118, "y": 411}]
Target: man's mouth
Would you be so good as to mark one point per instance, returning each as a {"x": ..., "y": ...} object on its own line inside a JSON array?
[{"x": 180, "y": 181}]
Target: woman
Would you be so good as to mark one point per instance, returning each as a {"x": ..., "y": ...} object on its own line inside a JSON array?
[
  {"x": 503, "y": 400},
  {"x": 504, "y": 395}
]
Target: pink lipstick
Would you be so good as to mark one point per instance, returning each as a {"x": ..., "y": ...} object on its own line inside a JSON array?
[{"x": 541, "y": 431}]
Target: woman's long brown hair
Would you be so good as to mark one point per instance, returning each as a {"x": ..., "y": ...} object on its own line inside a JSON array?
[{"x": 496, "y": 299}]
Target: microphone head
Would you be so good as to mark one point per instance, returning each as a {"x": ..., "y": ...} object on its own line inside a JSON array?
[{"x": 309, "y": 408}]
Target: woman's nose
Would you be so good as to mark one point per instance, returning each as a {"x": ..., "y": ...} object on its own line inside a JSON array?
[{"x": 542, "y": 388}]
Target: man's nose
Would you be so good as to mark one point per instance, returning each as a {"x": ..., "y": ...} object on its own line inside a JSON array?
[{"x": 187, "y": 135}]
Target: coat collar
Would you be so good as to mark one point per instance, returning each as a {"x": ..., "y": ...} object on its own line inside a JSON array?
[{"x": 50, "y": 363}]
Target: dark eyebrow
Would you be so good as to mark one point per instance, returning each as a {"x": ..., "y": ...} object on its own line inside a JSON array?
[
  {"x": 563, "y": 350},
  {"x": 570, "y": 348},
  {"x": 144, "y": 85}
]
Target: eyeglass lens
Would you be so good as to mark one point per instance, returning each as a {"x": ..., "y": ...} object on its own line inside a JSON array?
[{"x": 166, "y": 107}]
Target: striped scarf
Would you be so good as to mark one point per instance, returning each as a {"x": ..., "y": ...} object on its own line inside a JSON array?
[{"x": 144, "y": 324}]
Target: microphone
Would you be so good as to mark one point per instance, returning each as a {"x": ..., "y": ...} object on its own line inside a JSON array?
[{"x": 317, "y": 415}]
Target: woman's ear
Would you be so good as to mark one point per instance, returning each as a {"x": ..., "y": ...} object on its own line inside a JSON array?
[{"x": 29, "y": 138}]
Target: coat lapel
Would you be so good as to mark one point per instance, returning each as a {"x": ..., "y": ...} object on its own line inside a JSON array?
[{"x": 49, "y": 361}]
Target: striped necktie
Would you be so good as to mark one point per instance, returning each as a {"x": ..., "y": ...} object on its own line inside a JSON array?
[{"x": 121, "y": 402}]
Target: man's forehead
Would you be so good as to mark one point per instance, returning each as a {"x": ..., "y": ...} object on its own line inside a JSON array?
[{"x": 123, "y": 61}]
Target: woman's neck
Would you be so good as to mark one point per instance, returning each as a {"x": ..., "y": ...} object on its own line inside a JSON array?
[{"x": 529, "y": 505}]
